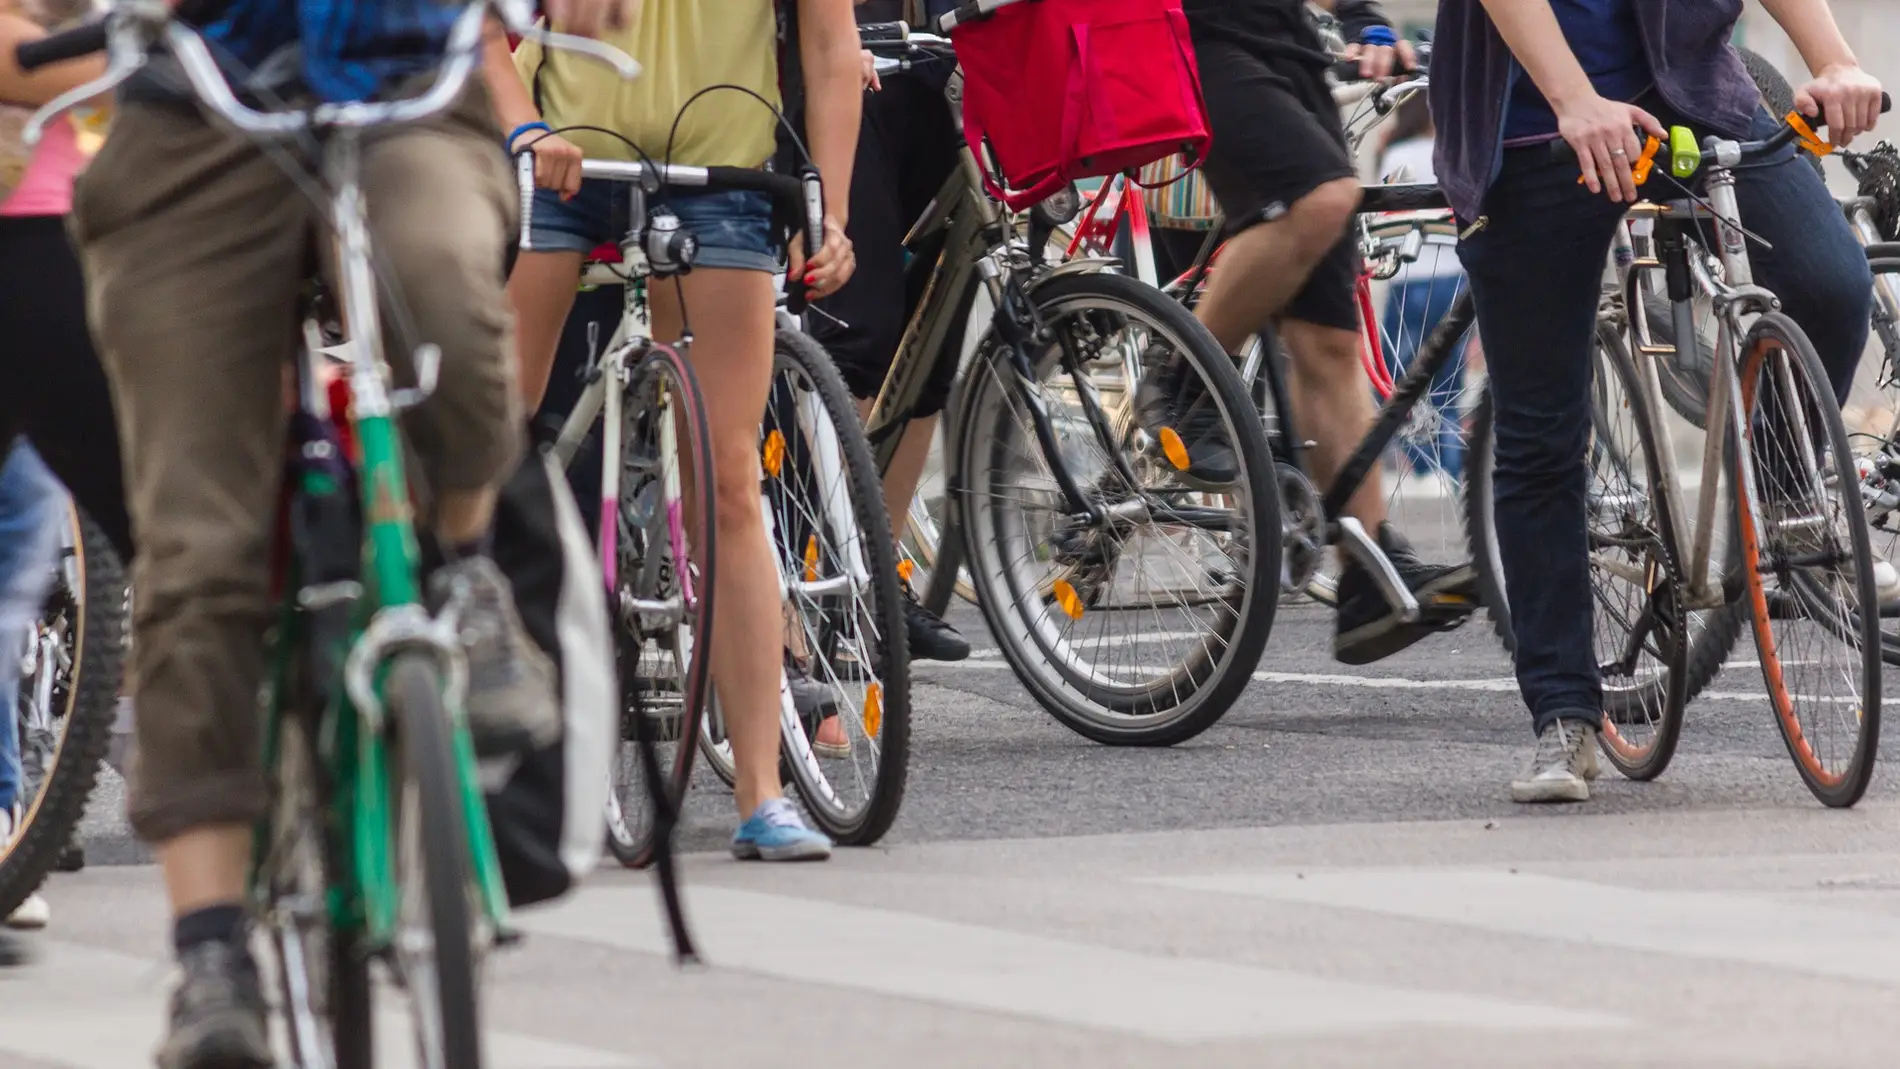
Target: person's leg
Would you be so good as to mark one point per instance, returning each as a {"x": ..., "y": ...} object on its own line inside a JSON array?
[
  {"x": 56, "y": 391},
  {"x": 32, "y": 510},
  {"x": 1538, "y": 327},
  {"x": 1808, "y": 257},
  {"x": 729, "y": 302},
  {"x": 193, "y": 244},
  {"x": 442, "y": 211},
  {"x": 904, "y": 156}
]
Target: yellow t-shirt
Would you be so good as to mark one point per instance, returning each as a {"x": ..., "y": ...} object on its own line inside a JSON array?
[{"x": 684, "y": 46}]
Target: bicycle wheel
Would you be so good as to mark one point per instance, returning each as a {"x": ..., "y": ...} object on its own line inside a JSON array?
[
  {"x": 1872, "y": 418},
  {"x": 322, "y": 971},
  {"x": 663, "y": 580},
  {"x": 844, "y": 609},
  {"x": 433, "y": 952},
  {"x": 69, "y": 687},
  {"x": 1807, "y": 564},
  {"x": 1622, "y": 467},
  {"x": 1141, "y": 625}
]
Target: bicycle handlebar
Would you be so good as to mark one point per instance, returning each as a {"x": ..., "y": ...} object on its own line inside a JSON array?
[
  {"x": 800, "y": 196},
  {"x": 1788, "y": 135},
  {"x": 130, "y": 31}
]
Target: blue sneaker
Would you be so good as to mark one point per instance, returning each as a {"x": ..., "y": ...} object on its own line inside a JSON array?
[{"x": 777, "y": 833}]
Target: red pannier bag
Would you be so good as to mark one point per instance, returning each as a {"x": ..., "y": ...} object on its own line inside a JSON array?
[{"x": 1066, "y": 89}]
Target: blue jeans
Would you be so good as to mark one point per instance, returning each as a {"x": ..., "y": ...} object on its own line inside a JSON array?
[
  {"x": 1535, "y": 269},
  {"x": 32, "y": 505},
  {"x": 1412, "y": 310}
]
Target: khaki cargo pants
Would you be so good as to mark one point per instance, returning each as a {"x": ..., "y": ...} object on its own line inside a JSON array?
[{"x": 195, "y": 246}]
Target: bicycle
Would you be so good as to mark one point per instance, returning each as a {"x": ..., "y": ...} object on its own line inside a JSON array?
[
  {"x": 1793, "y": 556},
  {"x": 377, "y": 845},
  {"x": 72, "y": 664},
  {"x": 1130, "y": 598},
  {"x": 837, "y": 568}
]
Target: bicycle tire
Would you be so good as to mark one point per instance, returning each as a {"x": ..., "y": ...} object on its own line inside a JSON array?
[
  {"x": 665, "y": 368},
  {"x": 340, "y": 1031},
  {"x": 440, "y": 847},
  {"x": 800, "y": 355},
  {"x": 1200, "y": 689},
  {"x": 1881, "y": 520},
  {"x": 1777, "y": 95},
  {"x": 90, "y": 702},
  {"x": 1714, "y": 631},
  {"x": 1840, "y": 789}
]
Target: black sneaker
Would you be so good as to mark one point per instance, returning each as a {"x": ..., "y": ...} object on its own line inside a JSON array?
[
  {"x": 1172, "y": 397},
  {"x": 931, "y": 637},
  {"x": 1369, "y": 629},
  {"x": 218, "y": 1014}
]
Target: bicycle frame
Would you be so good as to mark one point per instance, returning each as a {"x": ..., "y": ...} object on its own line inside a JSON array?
[
  {"x": 1736, "y": 300},
  {"x": 363, "y": 625}
]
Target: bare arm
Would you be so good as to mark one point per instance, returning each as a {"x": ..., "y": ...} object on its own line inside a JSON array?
[
  {"x": 1601, "y": 131},
  {"x": 1845, "y": 96},
  {"x": 32, "y": 90},
  {"x": 834, "y": 103},
  {"x": 557, "y": 162}
]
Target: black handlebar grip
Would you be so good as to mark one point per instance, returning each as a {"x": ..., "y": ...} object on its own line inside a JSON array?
[
  {"x": 1347, "y": 70},
  {"x": 883, "y": 32},
  {"x": 67, "y": 44},
  {"x": 1886, "y": 103}
]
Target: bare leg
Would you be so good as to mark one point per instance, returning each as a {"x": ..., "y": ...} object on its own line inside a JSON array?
[
  {"x": 1264, "y": 266},
  {"x": 542, "y": 290},
  {"x": 1335, "y": 409},
  {"x": 731, "y": 313}
]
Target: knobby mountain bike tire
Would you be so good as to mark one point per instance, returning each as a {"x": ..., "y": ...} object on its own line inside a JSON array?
[
  {"x": 1031, "y": 563},
  {"x": 670, "y": 710},
  {"x": 858, "y": 648},
  {"x": 433, "y": 871},
  {"x": 1828, "y": 596},
  {"x": 85, "y": 614},
  {"x": 1712, "y": 632}
]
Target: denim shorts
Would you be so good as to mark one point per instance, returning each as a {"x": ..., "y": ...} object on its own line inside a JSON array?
[{"x": 734, "y": 228}]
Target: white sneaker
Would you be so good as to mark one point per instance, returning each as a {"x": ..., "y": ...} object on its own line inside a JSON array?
[
  {"x": 1886, "y": 584},
  {"x": 1562, "y": 767},
  {"x": 32, "y": 914}
]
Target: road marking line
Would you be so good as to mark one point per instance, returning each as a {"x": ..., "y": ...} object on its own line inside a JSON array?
[
  {"x": 1693, "y": 924},
  {"x": 991, "y": 660},
  {"x": 88, "y": 1008},
  {"x": 906, "y": 956}
]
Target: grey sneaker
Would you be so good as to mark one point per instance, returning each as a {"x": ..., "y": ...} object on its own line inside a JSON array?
[
  {"x": 218, "y": 1014},
  {"x": 1562, "y": 767},
  {"x": 511, "y": 703}
]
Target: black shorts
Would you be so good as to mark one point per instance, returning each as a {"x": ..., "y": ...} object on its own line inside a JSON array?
[
  {"x": 907, "y": 149},
  {"x": 1277, "y": 138}
]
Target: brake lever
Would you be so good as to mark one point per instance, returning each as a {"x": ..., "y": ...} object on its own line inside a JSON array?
[{"x": 125, "y": 54}]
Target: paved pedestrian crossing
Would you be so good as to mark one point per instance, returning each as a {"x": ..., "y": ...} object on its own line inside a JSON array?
[{"x": 1767, "y": 939}]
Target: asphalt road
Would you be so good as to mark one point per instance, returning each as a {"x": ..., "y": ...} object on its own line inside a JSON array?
[{"x": 1332, "y": 876}]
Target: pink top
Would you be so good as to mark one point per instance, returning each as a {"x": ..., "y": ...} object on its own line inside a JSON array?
[{"x": 46, "y": 187}]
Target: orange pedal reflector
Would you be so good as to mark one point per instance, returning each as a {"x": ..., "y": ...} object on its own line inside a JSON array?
[
  {"x": 873, "y": 709},
  {"x": 905, "y": 567},
  {"x": 774, "y": 453},
  {"x": 1067, "y": 599},
  {"x": 811, "y": 558},
  {"x": 1174, "y": 449}
]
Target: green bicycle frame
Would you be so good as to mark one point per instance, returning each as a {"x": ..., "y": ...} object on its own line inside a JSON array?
[{"x": 354, "y": 748}]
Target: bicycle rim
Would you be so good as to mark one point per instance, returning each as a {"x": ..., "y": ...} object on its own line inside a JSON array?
[
  {"x": 1140, "y": 630},
  {"x": 664, "y": 601},
  {"x": 1807, "y": 565},
  {"x": 844, "y": 614}
]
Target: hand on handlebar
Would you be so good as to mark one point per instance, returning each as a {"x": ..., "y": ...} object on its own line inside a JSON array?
[
  {"x": 1843, "y": 96},
  {"x": 1379, "y": 61},
  {"x": 557, "y": 161},
  {"x": 587, "y": 18},
  {"x": 869, "y": 61},
  {"x": 1603, "y": 133},
  {"x": 828, "y": 271}
]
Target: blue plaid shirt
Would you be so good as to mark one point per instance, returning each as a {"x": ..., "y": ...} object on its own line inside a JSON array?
[{"x": 351, "y": 48}]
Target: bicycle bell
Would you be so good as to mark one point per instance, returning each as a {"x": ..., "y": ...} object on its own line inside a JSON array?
[{"x": 670, "y": 247}]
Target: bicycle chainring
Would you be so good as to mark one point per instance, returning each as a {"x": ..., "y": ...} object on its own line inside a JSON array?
[{"x": 1302, "y": 528}]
